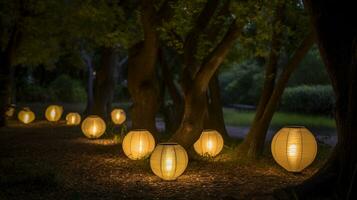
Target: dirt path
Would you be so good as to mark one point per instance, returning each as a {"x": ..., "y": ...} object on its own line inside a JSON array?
[{"x": 56, "y": 162}]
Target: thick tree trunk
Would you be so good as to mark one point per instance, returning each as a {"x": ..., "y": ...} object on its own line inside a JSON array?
[
  {"x": 336, "y": 33},
  {"x": 253, "y": 145},
  {"x": 191, "y": 124},
  {"x": 104, "y": 83},
  {"x": 142, "y": 83},
  {"x": 195, "y": 90},
  {"x": 214, "y": 118}
]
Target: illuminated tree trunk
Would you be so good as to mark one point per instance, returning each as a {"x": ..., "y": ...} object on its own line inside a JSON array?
[
  {"x": 142, "y": 83},
  {"x": 214, "y": 116},
  {"x": 336, "y": 33},
  {"x": 195, "y": 91},
  {"x": 104, "y": 83},
  {"x": 253, "y": 145}
]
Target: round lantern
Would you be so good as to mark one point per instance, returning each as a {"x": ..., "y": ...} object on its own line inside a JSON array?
[
  {"x": 53, "y": 113},
  {"x": 93, "y": 126},
  {"x": 73, "y": 118},
  {"x": 209, "y": 144},
  {"x": 138, "y": 144},
  {"x": 118, "y": 116},
  {"x": 26, "y": 116},
  {"x": 294, "y": 148},
  {"x": 168, "y": 161}
]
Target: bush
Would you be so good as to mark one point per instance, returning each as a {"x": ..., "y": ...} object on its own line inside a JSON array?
[
  {"x": 242, "y": 83},
  {"x": 317, "y": 99},
  {"x": 66, "y": 89}
]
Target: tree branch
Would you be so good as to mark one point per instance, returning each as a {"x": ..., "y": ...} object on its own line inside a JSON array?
[
  {"x": 191, "y": 41},
  {"x": 216, "y": 57}
]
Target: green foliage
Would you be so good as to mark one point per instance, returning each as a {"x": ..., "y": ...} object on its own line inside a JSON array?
[
  {"x": 66, "y": 89},
  {"x": 242, "y": 83},
  {"x": 318, "y": 99},
  {"x": 311, "y": 71}
]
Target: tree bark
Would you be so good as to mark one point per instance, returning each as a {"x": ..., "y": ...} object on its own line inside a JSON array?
[
  {"x": 214, "y": 117},
  {"x": 336, "y": 33},
  {"x": 253, "y": 145},
  {"x": 104, "y": 83},
  {"x": 195, "y": 93},
  {"x": 142, "y": 83}
]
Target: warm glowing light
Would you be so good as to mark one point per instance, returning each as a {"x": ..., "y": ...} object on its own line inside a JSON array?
[
  {"x": 294, "y": 148},
  {"x": 168, "y": 161},
  {"x": 118, "y": 116},
  {"x": 209, "y": 144},
  {"x": 10, "y": 111},
  {"x": 138, "y": 144},
  {"x": 53, "y": 113},
  {"x": 26, "y": 116},
  {"x": 73, "y": 118},
  {"x": 93, "y": 126}
]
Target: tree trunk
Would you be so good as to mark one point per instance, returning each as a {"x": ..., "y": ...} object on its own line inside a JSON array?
[
  {"x": 195, "y": 90},
  {"x": 87, "y": 59},
  {"x": 104, "y": 83},
  {"x": 192, "y": 121},
  {"x": 6, "y": 73},
  {"x": 336, "y": 33},
  {"x": 214, "y": 118},
  {"x": 253, "y": 145},
  {"x": 172, "y": 113},
  {"x": 142, "y": 83}
]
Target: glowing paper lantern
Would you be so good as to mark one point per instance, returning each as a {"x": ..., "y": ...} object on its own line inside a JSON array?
[
  {"x": 209, "y": 144},
  {"x": 73, "y": 118},
  {"x": 10, "y": 111},
  {"x": 118, "y": 116},
  {"x": 93, "y": 126},
  {"x": 168, "y": 161},
  {"x": 53, "y": 113},
  {"x": 294, "y": 148},
  {"x": 138, "y": 144},
  {"x": 26, "y": 116}
]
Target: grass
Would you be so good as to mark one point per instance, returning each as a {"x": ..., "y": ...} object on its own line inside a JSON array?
[{"x": 244, "y": 118}]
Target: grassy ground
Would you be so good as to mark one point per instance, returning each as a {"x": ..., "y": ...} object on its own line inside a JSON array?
[
  {"x": 244, "y": 118},
  {"x": 53, "y": 161}
]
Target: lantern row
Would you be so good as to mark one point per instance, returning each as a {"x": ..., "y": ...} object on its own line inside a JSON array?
[{"x": 293, "y": 148}]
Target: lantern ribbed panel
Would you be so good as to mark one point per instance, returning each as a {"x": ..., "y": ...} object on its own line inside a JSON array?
[
  {"x": 118, "y": 116},
  {"x": 26, "y": 116},
  {"x": 138, "y": 144},
  {"x": 53, "y": 113},
  {"x": 73, "y": 118},
  {"x": 93, "y": 126},
  {"x": 209, "y": 144},
  {"x": 294, "y": 148},
  {"x": 168, "y": 161}
]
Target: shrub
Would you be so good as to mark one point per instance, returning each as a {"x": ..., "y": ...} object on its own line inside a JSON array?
[
  {"x": 66, "y": 89},
  {"x": 317, "y": 99},
  {"x": 242, "y": 84}
]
